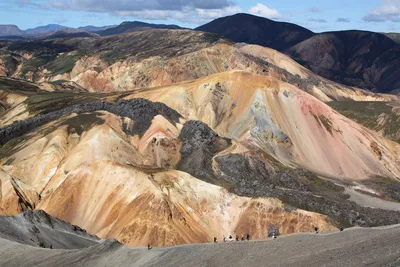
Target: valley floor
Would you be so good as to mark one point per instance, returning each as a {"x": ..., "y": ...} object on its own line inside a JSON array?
[{"x": 353, "y": 247}]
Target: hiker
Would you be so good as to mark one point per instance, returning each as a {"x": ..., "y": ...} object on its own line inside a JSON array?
[
  {"x": 316, "y": 229},
  {"x": 237, "y": 237},
  {"x": 341, "y": 228},
  {"x": 274, "y": 234},
  {"x": 243, "y": 237},
  {"x": 148, "y": 246},
  {"x": 215, "y": 240},
  {"x": 248, "y": 237},
  {"x": 230, "y": 237}
]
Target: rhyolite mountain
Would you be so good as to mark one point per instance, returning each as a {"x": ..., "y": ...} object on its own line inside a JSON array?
[
  {"x": 177, "y": 136},
  {"x": 357, "y": 58}
]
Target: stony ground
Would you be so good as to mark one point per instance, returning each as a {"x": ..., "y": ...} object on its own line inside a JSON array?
[
  {"x": 353, "y": 247},
  {"x": 38, "y": 229}
]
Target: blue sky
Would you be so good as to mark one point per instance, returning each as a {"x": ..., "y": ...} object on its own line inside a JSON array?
[{"x": 373, "y": 15}]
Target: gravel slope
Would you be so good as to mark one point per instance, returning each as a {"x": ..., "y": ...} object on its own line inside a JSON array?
[
  {"x": 38, "y": 229},
  {"x": 353, "y": 247}
]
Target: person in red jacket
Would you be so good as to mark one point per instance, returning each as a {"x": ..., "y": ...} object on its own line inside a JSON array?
[{"x": 148, "y": 246}]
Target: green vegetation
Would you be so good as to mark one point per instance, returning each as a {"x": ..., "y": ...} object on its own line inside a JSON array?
[
  {"x": 109, "y": 57},
  {"x": 389, "y": 188},
  {"x": 62, "y": 64},
  {"x": 324, "y": 121},
  {"x": 18, "y": 86},
  {"x": 34, "y": 64},
  {"x": 56, "y": 100},
  {"x": 377, "y": 116},
  {"x": 13, "y": 146}
]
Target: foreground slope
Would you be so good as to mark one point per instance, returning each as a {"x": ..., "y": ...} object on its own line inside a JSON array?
[
  {"x": 38, "y": 229},
  {"x": 353, "y": 247}
]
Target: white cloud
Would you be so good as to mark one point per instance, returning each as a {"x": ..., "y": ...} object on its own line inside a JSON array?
[
  {"x": 388, "y": 10},
  {"x": 194, "y": 16},
  {"x": 342, "y": 20},
  {"x": 137, "y": 5},
  {"x": 317, "y": 20},
  {"x": 264, "y": 11},
  {"x": 315, "y": 10},
  {"x": 188, "y": 11}
]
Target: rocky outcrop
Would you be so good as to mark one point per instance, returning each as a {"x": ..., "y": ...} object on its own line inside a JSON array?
[
  {"x": 199, "y": 144},
  {"x": 141, "y": 111}
]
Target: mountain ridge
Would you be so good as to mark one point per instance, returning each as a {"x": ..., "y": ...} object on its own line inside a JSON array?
[{"x": 374, "y": 54}]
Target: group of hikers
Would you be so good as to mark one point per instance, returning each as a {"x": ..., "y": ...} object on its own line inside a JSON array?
[
  {"x": 274, "y": 235},
  {"x": 230, "y": 238}
]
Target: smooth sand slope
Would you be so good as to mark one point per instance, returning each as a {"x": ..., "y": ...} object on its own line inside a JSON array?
[{"x": 353, "y": 247}]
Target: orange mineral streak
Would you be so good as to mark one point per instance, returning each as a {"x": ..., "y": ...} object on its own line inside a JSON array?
[{"x": 167, "y": 208}]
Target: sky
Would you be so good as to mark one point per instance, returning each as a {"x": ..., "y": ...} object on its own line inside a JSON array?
[{"x": 318, "y": 16}]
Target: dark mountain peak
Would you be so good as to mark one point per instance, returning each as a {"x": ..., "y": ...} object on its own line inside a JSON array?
[
  {"x": 252, "y": 29},
  {"x": 358, "y": 58}
]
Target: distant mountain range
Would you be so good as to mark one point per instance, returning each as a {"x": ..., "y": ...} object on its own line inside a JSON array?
[
  {"x": 12, "y": 31},
  {"x": 363, "y": 59}
]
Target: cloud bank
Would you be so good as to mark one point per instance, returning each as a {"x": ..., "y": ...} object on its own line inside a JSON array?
[{"x": 388, "y": 10}]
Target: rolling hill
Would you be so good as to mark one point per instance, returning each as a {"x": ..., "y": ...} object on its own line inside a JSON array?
[{"x": 131, "y": 26}]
